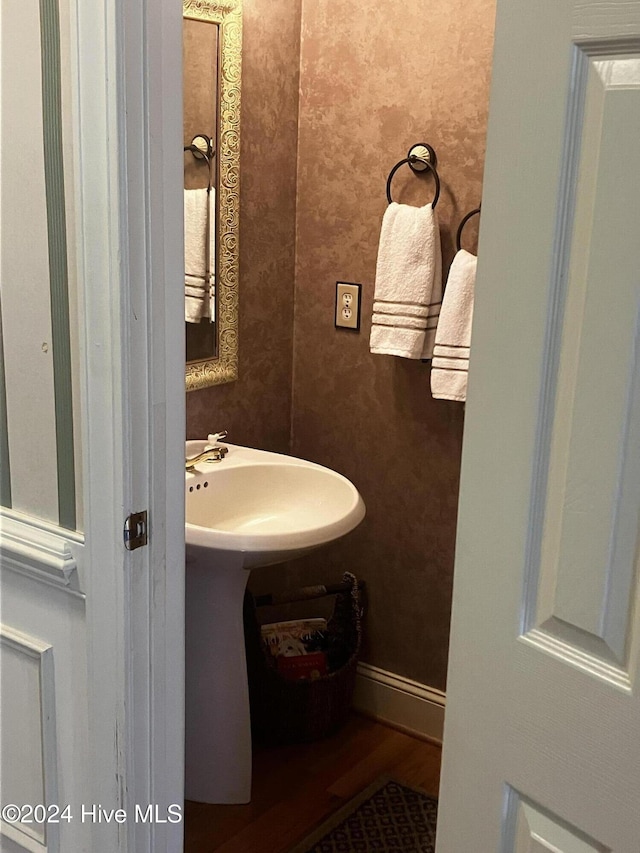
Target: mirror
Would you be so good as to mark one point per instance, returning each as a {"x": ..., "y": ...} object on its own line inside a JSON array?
[{"x": 212, "y": 48}]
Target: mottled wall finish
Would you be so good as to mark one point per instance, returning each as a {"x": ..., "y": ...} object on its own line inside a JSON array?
[
  {"x": 200, "y": 86},
  {"x": 376, "y": 78},
  {"x": 256, "y": 408}
]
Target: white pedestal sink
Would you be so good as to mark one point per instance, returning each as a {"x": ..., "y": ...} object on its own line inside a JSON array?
[{"x": 250, "y": 509}]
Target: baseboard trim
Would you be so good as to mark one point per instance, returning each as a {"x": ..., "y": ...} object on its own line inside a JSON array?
[{"x": 400, "y": 702}]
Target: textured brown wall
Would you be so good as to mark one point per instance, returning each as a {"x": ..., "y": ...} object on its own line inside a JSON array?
[
  {"x": 376, "y": 78},
  {"x": 256, "y": 408}
]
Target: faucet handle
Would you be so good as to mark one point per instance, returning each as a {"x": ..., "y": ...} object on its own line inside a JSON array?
[{"x": 214, "y": 437}]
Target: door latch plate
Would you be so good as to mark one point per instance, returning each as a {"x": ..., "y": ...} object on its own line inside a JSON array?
[{"x": 135, "y": 530}]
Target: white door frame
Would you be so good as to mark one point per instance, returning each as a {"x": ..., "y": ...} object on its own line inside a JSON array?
[{"x": 128, "y": 118}]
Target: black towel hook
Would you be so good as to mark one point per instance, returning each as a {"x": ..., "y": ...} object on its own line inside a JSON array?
[
  {"x": 463, "y": 223},
  {"x": 420, "y": 157}
]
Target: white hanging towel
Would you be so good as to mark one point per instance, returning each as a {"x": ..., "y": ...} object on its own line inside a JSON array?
[
  {"x": 450, "y": 366},
  {"x": 199, "y": 301},
  {"x": 408, "y": 289}
]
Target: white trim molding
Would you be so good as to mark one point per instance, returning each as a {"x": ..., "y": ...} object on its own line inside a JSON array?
[
  {"x": 400, "y": 702},
  {"x": 40, "y": 550}
]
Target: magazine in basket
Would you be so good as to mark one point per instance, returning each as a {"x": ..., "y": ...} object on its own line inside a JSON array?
[{"x": 297, "y": 648}]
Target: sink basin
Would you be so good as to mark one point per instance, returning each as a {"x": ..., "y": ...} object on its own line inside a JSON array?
[
  {"x": 250, "y": 509},
  {"x": 268, "y": 507}
]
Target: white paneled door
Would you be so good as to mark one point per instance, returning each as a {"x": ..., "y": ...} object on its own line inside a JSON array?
[
  {"x": 542, "y": 730},
  {"x": 91, "y": 427}
]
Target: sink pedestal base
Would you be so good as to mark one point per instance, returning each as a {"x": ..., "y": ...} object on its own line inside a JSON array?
[{"x": 218, "y": 727}]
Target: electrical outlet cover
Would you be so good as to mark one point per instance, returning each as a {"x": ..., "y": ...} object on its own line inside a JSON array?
[{"x": 347, "y": 313}]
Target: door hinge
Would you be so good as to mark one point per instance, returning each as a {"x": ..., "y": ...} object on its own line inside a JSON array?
[{"x": 135, "y": 530}]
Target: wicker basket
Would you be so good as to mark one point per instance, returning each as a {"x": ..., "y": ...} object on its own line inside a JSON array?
[{"x": 285, "y": 711}]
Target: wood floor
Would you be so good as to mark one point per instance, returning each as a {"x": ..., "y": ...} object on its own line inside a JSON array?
[{"x": 297, "y": 787}]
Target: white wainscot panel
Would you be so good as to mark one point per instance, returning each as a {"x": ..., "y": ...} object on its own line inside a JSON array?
[
  {"x": 583, "y": 571},
  {"x": 28, "y": 738}
]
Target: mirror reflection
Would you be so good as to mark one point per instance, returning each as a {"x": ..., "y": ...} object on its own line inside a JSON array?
[
  {"x": 200, "y": 97},
  {"x": 212, "y": 39}
]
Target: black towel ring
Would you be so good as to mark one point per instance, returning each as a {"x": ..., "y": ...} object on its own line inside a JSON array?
[
  {"x": 413, "y": 160},
  {"x": 201, "y": 147},
  {"x": 463, "y": 223}
]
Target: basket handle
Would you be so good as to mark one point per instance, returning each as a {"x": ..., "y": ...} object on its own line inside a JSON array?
[
  {"x": 351, "y": 582},
  {"x": 307, "y": 593}
]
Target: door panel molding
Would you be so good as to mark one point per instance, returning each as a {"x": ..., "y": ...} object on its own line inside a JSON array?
[
  {"x": 581, "y": 576},
  {"x": 530, "y": 828},
  {"x": 43, "y": 838},
  {"x": 560, "y": 640},
  {"x": 42, "y": 551},
  {"x": 5, "y": 462}
]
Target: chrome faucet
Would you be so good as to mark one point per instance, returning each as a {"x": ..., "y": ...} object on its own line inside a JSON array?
[{"x": 215, "y": 453}]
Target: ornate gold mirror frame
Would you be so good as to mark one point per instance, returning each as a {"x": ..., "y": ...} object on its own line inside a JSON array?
[{"x": 227, "y": 14}]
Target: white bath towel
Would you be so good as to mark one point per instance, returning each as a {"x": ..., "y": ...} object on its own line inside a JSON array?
[
  {"x": 408, "y": 289},
  {"x": 199, "y": 289},
  {"x": 450, "y": 366}
]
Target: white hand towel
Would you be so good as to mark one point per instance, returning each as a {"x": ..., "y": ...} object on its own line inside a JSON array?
[
  {"x": 194, "y": 301},
  {"x": 450, "y": 366},
  {"x": 408, "y": 289},
  {"x": 199, "y": 305}
]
